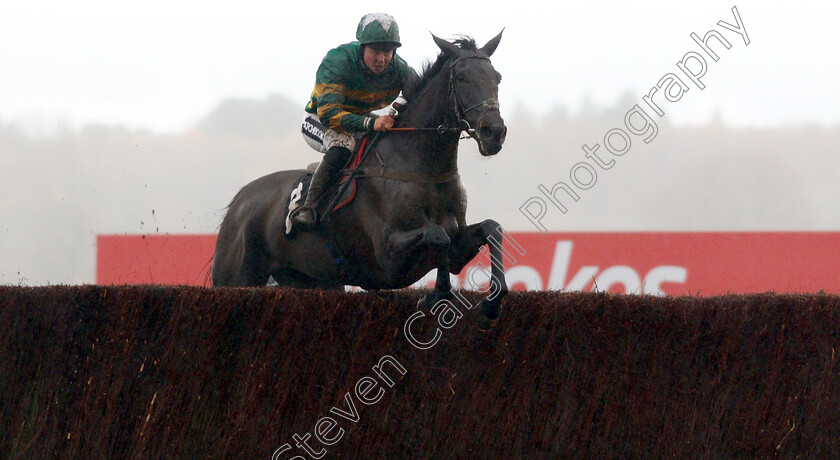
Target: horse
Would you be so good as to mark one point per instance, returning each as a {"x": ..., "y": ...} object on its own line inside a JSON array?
[{"x": 408, "y": 214}]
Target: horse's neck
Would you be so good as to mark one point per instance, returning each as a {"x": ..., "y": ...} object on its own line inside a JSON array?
[{"x": 428, "y": 151}]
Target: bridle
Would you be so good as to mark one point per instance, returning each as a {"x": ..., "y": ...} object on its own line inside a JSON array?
[{"x": 460, "y": 112}]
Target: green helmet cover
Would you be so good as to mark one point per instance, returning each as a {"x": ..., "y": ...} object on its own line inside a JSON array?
[{"x": 378, "y": 28}]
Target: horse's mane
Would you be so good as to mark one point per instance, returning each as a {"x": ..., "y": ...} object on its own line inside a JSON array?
[{"x": 431, "y": 69}]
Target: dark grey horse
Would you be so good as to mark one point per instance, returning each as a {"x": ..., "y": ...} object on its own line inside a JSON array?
[{"x": 408, "y": 215}]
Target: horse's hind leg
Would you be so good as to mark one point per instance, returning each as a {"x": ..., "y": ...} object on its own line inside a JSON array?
[
  {"x": 469, "y": 243},
  {"x": 288, "y": 277},
  {"x": 231, "y": 267},
  {"x": 239, "y": 275}
]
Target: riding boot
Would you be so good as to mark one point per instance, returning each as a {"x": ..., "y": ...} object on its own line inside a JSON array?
[{"x": 305, "y": 218}]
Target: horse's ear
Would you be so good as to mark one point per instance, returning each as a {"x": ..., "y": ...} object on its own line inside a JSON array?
[
  {"x": 490, "y": 47},
  {"x": 445, "y": 46}
]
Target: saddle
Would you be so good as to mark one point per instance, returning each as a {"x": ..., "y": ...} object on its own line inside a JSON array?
[
  {"x": 341, "y": 196},
  {"x": 347, "y": 193}
]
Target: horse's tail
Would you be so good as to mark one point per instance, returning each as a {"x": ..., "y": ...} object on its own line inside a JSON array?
[{"x": 208, "y": 273}]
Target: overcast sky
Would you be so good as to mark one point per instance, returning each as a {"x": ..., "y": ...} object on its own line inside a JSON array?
[{"x": 161, "y": 65}]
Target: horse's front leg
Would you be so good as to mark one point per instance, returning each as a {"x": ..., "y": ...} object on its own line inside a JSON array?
[
  {"x": 468, "y": 244},
  {"x": 404, "y": 251}
]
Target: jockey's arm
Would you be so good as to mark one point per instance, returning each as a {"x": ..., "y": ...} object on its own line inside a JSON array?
[
  {"x": 331, "y": 96},
  {"x": 332, "y": 114}
]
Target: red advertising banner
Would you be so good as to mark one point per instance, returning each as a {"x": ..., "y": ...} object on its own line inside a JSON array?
[
  {"x": 154, "y": 259},
  {"x": 673, "y": 263}
]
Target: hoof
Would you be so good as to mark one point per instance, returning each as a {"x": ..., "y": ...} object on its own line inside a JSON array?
[
  {"x": 491, "y": 309},
  {"x": 482, "y": 323}
]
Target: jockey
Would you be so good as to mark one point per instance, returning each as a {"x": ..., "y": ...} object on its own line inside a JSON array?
[{"x": 352, "y": 81}]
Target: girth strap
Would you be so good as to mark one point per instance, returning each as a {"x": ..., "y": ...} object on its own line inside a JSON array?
[{"x": 409, "y": 176}]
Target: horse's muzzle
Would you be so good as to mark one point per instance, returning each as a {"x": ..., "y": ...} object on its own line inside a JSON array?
[{"x": 491, "y": 135}]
